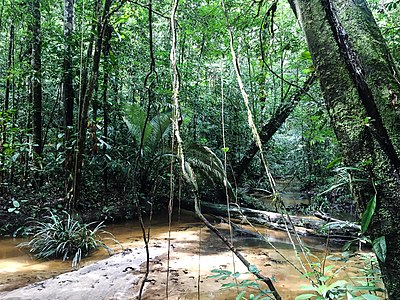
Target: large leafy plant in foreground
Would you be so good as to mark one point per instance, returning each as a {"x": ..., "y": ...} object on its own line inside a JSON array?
[{"x": 63, "y": 236}]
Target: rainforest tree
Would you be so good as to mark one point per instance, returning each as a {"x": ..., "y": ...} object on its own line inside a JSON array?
[{"x": 360, "y": 83}]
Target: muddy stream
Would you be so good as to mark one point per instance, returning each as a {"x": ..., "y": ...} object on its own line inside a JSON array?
[{"x": 194, "y": 252}]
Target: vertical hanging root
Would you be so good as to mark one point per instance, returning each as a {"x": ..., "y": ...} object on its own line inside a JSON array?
[
  {"x": 187, "y": 171},
  {"x": 258, "y": 142}
]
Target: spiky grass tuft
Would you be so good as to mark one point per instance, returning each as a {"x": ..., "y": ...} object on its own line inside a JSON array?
[{"x": 63, "y": 236}]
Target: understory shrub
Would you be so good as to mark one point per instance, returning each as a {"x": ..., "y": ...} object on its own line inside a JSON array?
[{"x": 63, "y": 236}]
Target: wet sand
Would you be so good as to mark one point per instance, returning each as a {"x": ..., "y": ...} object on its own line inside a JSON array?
[{"x": 194, "y": 252}]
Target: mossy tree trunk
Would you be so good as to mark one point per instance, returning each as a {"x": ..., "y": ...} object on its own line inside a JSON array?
[{"x": 360, "y": 84}]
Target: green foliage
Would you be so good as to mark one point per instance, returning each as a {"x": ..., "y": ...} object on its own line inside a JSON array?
[
  {"x": 63, "y": 236},
  {"x": 323, "y": 280},
  {"x": 379, "y": 246},
  {"x": 16, "y": 206},
  {"x": 246, "y": 285},
  {"x": 368, "y": 285},
  {"x": 325, "y": 291},
  {"x": 200, "y": 157},
  {"x": 326, "y": 286},
  {"x": 208, "y": 164},
  {"x": 368, "y": 213}
]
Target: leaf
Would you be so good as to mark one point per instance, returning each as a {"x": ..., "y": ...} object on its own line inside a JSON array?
[
  {"x": 11, "y": 209},
  {"x": 328, "y": 268},
  {"x": 370, "y": 297},
  {"x": 306, "y": 55},
  {"x": 352, "y": 297},
  {"x": 240, "y": 296},
  {"x": 324, "y": 278},
  {"x": 367, "y": 215},
  {"x": 354, "y": 288},
  {"x": 379, "y": 246},
  {"x": 220, "y": 273},
  {"x": 236, "y": 275},
  {"x": 253, "y": 269},
  {"x": 334, "y": 163},
  {"x": 16, "y": 204},
  {"x": 309, "y": 288},
  {"x": 336, "y": 284},
  {"x": 304, "y": 296},
  {"x": 228, "y": 285}
]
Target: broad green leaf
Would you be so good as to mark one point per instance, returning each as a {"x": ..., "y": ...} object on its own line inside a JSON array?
[
  {"x": 328, "y": 268},
  {"x": 351, "y": 297},
  {"x": 379, "y": 246},
  {"x": 253, "y": 269},
  {"x": 370, "y": 297},
  {"x": 324, "y": 278},
  {"x": 309, "y": 288},
  {"x": 240, "y": 296},
  {"x": 304, "y": 296},
  {"x": 220, "y": 273},
  {"x": 228, "y": 285},
  {"x": 236, "y": 275},
  {"x": 367, "y": 215},
  {"x": 323, "y": 289},
  {"x": 334, "y": 163},
  {"x": 336, "y": 284},
  {"x": 306, "y": 55},
  {"x": 16, "y": 204},
  {"x": 247, "y": 283},
  {"x": 364, "y": 288}
]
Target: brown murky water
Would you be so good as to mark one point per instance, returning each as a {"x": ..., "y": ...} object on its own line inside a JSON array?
[{"x": 194, "y": 253}]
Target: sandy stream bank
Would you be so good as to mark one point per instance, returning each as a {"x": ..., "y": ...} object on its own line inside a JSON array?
[{"x": 119, "y": 276}]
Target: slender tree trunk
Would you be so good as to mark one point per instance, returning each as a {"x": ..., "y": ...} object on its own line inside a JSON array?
[
  {"x": 361, "y": 87},
  {"x": 9, "y": 68},
  {"x": 106, "y": 53},
  {"x": 84, "y": 106},
  {"x": 36, "y": 65},
  {"x": 68, "y": 90},
  {"x": 1, "y": 15},
  {"x": 269, "y": 129},
  {"x": 6, "y": 106}
]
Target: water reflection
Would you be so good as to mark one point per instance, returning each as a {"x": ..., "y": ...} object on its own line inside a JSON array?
[{"x": 18, "y": 268}]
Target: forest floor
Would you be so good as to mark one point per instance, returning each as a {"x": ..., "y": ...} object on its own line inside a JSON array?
[{"x": 194, "y": 253}]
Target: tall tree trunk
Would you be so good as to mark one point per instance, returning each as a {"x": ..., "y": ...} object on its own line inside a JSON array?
[
  {"x": 84, "y": 106},
  {"x": 68, "y": 90},
  {"x": 36, "y": 65},
  {"x": 361, "y": 87}
]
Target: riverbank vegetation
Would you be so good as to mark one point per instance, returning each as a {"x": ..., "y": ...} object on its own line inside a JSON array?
[{"x": 116, "y": 109}]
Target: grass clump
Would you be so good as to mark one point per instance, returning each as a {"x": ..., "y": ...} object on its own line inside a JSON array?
[{"x": 63, "y": 236}]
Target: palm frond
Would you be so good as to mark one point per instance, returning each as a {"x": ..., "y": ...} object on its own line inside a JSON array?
[
  {"x": 208, "y": 164},
  {"x": 135, "y": 118},
  {"x": 160, "y": 128}
]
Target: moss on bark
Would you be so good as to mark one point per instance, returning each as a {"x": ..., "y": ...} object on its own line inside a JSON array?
[{"x": 355, "y": 132}]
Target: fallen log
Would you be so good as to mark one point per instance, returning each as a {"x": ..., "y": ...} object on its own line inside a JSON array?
[
  {"x": 304, "y": 225},
  {"x": 335, "y": 221}
]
